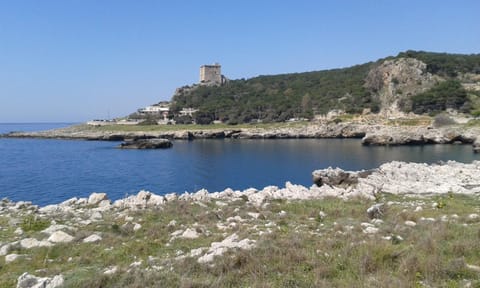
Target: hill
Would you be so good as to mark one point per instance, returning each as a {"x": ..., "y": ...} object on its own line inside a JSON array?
[{"x": 412, "y": 81}]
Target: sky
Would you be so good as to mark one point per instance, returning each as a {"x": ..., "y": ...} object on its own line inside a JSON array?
[{"x": 76, "y": 60}]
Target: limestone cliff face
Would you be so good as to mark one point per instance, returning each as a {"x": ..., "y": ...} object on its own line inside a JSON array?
[{"x": 395, "y": 81}]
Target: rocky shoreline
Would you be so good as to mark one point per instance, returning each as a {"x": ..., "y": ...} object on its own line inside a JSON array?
[
  {"x": 369, "y": 134},
  {"x": 62, "y": 222}
]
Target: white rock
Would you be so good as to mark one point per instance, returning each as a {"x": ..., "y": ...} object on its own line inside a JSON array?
[
  {"x": 92, "y": 238},
  {"x": 135, "y": 264},
  {"x": 5, "y": 249},
  {"x": 176, "y": 233},
  {"x": 60, "y": 237},
  {"x": 172, "y": 223},
  {"x": 18, "y": 231},
  {"x": 104, "y": 204},
  {"x": 137, "y": 227},
  {"x": 370, "y": 230},
  {"x": 375, "y": 211},
  {"x": 110, "y": 270},
  {"x": 253, "y": 215},
  {"x": 96, "y": 216},
  {"x": 377, "y": 221},
  {"x": 128, "y": 218},
  {"x": 96, "y": 198},
  {"x": 221, "y": 203},
  {"x": 30, "y": 281},
  {"x": 473, "y": 216},
  {"x": 196, "y": 252},
  {"x": 50, "y": 209},
  {"x": 29, "y": 243},
  {"x": 418, "y": 209},
  {"x": 56, "y": 227},
  {"x": 429, "y": 219},
  {"x": 322, "y": 215},
  {"x": 410, "y": 223},
  {"x": 190, "y": 234},
  {"x": 365, "y": 224},
  {"x": 218, "y": 248},
  {"x": 12, "y": 257}
]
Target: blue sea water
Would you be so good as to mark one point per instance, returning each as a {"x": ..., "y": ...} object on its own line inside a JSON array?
[{"x": 50, "y": 171}]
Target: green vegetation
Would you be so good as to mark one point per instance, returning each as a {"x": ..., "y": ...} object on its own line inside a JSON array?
[
  {"x": 296, "y": 246},
  {"x": 448, "y": 94},
  {"x": 280, "y": 97},
  {"x": 302, "y": 95},
  {"x": 445, "y": 64}
]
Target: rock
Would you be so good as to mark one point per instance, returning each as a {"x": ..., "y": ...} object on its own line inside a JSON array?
[
  {"x": 96, "y": 216},
  {"x": 142, "y": 200},
  {"x": 54, "y": 228},
  {"x": 473, "y": 216},
  {"x": 337, "y": 177},
  {"x": 110, "y": 270},
  {"x": 60, "y": 237},
  {"x": 376, "y": 211},
  {"x": 12, "y": 257},
  {"x": 92, "y": 238},
  {"x": 96, "y": 198},
  {"x": 218, "y": 248},
  {"x": 190, "y": 234},
  {"x": 410, "y": 224},
  {"x": 476, "y": 145},
  {"x": 147, "y": 144},
  {"x": 370, "y": 230},
  {"x": 137, "y": 227},
  {"x": 29, "y": 243},
  {"x": 30, "y": 281},
  {"x": 5, "y": 249}
]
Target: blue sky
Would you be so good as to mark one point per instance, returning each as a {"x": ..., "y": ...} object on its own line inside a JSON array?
[{"x": 75, "y": 60}]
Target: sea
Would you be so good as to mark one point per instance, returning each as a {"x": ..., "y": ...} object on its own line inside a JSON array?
[{"x": 47, "y": 171}]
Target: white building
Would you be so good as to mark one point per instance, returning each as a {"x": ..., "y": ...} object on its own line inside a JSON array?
[{"x": 188, "y": 111}]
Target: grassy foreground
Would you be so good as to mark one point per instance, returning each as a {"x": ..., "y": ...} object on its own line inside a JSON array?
[{"x": 315, "y": 243}]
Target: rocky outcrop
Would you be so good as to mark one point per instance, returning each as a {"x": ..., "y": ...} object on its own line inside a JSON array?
[
  {"x": 395, "y": 81},
  {"x": 30, "y": 281},
  {"x": 387, "y": 135},
  {"x": 146, "y": 144},
  {"x": 414, "y": 178},
  {"x": 370, "y": 134},
  {"x": 337, "y": 177},
  {"x": 476, "y": 145}
]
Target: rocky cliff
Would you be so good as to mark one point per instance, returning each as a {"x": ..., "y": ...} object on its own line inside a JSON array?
[{"x": 395, "y": 81}]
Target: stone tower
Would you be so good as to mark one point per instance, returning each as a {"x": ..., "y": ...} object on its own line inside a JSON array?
[{"x": 211, "y": 74}]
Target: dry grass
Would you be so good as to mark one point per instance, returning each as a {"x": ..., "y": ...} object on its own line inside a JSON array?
[{"x": 300, "y": 249}]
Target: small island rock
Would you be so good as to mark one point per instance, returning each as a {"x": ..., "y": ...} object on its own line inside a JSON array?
[{"x": 158, "y": 143}]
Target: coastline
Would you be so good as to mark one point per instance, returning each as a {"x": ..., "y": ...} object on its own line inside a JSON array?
[
  {"x": 370, "y": 134},
  {"x": 225, "y": 224}
]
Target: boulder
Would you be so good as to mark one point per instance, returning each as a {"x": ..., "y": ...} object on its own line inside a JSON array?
[
  {"x": 92, "y": 238},
  {"x": 337, "y": 177},
  {"x": 96, "y": 198},
  {"x": 158, "y": 143},
  {"x": 30, "y": 281},
  {"x": 29, "y": 243},
  {"x": 219, "y": 248},
  {"x": 376, "y": 211},
  {"x": 60, "y": 237}
]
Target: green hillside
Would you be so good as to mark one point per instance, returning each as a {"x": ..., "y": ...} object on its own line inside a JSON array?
[{"x": 302, "y": 95}]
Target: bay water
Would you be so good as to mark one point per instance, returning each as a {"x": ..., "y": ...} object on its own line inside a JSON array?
[{"x": 47, "y": 171}]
